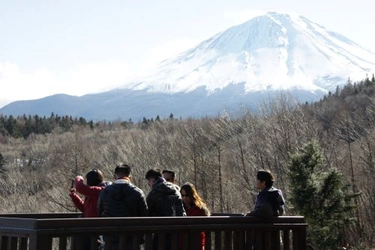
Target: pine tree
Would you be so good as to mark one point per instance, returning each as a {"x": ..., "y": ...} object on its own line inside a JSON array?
[{"x": 321, "y": 196}]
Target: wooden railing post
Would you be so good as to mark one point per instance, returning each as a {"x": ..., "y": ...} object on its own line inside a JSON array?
[
  {"x": 38, "y": 242},
  {"x": 299, "y": 238},
  {"x": 4, "y": 242},
  {"x": 23, "y": 243},
  {"x": 13, "y": 243}
]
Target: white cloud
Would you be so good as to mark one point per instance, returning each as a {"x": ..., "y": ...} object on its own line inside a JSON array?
[
  {"x": 83, "y": 79},
  {"x": 96, "y": 77},
  {"x": 17, "y": 85}
]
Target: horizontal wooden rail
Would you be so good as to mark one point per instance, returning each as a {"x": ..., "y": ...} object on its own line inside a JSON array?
[{"x": 68, "y": 231}]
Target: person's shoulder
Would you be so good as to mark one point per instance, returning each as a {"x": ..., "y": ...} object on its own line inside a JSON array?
[
  {"x": 198, "y": 211},
  {"x": 172, "y": 188},
  {"x": 275, "y": 191},
  {"x": 136, "y": 189},
  {"x": 177, "y": 187},
  {"x": 105, "y": 184},
  {"x": 132, "y": 188},
  {"x": 107, "y": 189}
]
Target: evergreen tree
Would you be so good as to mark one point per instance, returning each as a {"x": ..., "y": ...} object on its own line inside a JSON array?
[
  {"x": 367, "y": 81},
  {"x": 321, "y": 196}
]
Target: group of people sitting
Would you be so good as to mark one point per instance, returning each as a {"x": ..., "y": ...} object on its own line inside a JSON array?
[{"x": 121, "y": 198}]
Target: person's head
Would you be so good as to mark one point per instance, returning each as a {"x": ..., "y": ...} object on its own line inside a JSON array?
[
  {"x": 152, "y": 175},
  {"x": 169, "y": 175},
  {"x": 122, "y": 170},
  {"x": 94, "y": 177},
  {"x": 265, "y": 179},
  {"x": 190, "y": 196}
]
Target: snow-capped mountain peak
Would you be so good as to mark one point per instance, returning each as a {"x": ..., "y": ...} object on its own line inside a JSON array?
[{"x": 269, "y": 52}]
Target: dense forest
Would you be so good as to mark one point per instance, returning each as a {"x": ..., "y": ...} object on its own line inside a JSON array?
[{"x": 321, "y": 153}]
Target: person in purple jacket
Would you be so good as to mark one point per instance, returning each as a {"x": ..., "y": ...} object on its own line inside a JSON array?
[{"x": 270, "y": 201}]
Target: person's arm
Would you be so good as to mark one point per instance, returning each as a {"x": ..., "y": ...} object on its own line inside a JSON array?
[
  {"x": 262, "y": 210},
  {"x": 263, "y": 207},
  {"x": 281, "y": 204},
  {"x": 77, "y": 201},
  {"x": 142, "y": 206},
  {"x": 100, "y": 204},
  {"x": 86, "y": 189},
  {"x": 180, "y": 211},
  {"x": 151, "y": 203}
]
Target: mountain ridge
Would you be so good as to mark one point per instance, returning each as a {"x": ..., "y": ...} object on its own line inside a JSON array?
[{"x": 240, "y": 66}]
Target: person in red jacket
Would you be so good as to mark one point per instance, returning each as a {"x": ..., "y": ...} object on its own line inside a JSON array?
[
  {"x": 89, "y": 205},
  {"x": 194, "y": 206},
  {"x": 91, "y": 190}
]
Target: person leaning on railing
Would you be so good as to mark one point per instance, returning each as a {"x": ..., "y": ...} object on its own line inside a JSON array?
[{"x": 270, "y": 201}]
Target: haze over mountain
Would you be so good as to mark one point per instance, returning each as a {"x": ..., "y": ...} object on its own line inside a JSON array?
[{"x": 240, "y": 66}]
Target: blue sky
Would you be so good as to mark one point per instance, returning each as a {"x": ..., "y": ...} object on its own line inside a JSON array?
[{"x": 78, "y": 47}]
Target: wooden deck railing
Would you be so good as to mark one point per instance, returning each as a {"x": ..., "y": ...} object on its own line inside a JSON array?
[{"x": 68, "y": 232}]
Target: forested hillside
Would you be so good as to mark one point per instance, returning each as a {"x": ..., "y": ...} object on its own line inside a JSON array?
[{"x": 221, "y": 155}]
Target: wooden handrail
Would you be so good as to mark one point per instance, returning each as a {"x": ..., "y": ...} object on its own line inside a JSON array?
[{"x": 222, "y": 232}]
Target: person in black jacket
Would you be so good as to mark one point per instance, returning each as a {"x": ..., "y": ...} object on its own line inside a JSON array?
[
  {"x": 270, "y": 201},
  {"x": 163, "y": 200},
  {"x": 122, "y": 199}
]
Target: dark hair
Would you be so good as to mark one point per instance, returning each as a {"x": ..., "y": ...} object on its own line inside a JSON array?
[
  {"x": 196, "y": 200},
  {"x": 94, "y": 177},
  {"x": 170, "y": 172},
  {"x": 267, "y": 176},
  {"x": 123, "y": 170},
  {"x": 153, "y": 173}
]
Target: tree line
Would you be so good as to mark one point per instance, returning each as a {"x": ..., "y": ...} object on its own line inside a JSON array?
[
  {"x": 24, "y": 126},
  {"x": 331, "y": 141}
]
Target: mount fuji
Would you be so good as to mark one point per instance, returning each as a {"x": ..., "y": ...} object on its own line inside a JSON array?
[{"x": 240, "y": 66}]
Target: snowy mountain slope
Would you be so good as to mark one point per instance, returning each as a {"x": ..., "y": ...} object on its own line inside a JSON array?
[{"x": 270, "y": 52}]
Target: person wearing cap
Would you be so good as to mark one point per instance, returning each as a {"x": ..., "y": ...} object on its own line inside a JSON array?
[{"x": 270, "y": 201}]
